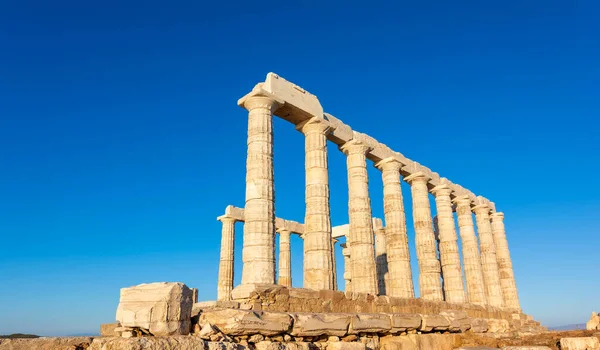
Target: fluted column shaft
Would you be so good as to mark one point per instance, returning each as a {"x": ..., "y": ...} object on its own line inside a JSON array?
[
  {"x": 258, "y": 254},
  {"x": 398, "y": 255},
  {"x": 318, "y": 264},
  {"x": 454, "y": 290},
  {"x": 476, "y": 291},
  {"x": 347, "y": 267},
  {"x": 225, "y": 281},
  {"x": 505, "y": 269},
  {"x": 285, "y": 259},
  {"x": 364, "y": 273},
  {"x": 381, "y": 262},
  {"x": 429, "y": 266},
  {"x": 334, "y": 263},
  {"x": 489, "y": 262}
]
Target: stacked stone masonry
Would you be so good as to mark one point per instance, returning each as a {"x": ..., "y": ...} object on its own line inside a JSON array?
[{"x": 376, "y": 254}]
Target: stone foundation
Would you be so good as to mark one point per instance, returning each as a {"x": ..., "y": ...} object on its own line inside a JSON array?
[{"x": 275, "y": 298}]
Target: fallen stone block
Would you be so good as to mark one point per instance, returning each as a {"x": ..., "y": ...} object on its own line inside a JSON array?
[
  {"x": 580, "y": 343},
  {"x": 246, "y": 322},
  {"x": 310, "y": 325},
  {"x": 163, "y": 308},
  {"x": 404, "y": 322},
  {"x": 369, "y": 323},
  {"x": 476, "y": 348},
  {"x": 526, "y": 348},
  {"x": 434, "y": 323}
]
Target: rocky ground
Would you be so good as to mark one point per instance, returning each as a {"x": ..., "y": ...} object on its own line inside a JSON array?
[{"x": 428, "y": 342}]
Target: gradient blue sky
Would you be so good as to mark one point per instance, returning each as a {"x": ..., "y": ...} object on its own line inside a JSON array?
[{"x": 121, "y": 140}]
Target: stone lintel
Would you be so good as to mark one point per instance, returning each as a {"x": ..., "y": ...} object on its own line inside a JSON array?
[
  {"x": 299, "y": 103},
  {"x": 280, "y": 224},
  {"x": 340, "y": 231},
  {"x": 341, "y": 133}
]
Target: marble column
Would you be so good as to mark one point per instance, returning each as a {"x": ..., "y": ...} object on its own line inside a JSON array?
[
  {"x": 258, "y": 254},
  {"x": 398, "y": 256},
  {"x": 333, "y": 262},
  {"x": 429, "y": 266},
  {"x": 489, "y": 262},
  {"x": 347, "y": 267},
  {"x": 507, "y": 275},
  {"x": 285, "y": 259},
  {"x": 318, "y": 264},
  {"x": 362, "y": 250},
  {"x": 225, "y": 281},
  {"x": 471, "y": 261},
  {"x": 381, "y": 262},
  {"x": 454, "y": 290}
]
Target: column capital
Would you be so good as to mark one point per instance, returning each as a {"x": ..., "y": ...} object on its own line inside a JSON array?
[
  {"x": 463, "y": 200},
  {"x": 481, "y": 209},
  {"x": 226, "y": 218},
  {"x": 261, "y": 101},
  {"x": 389, "y": 164},
  {"x": 284, "y": 231},
  {"x": 497, "y": 216},
  {"x": 417, "y": 177},
  {"x": 441, "y": 190},
  {"x": 314, "y": 125},
  {"x": 355, "y": 147}
]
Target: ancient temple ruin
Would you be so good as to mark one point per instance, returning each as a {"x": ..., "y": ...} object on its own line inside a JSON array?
[
  {"x": 370, "y": 247},
  {"x": 378, "y": 308}
]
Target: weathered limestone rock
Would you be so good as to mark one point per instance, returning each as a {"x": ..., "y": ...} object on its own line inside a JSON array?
[
  {"x": 345, "y": 346},
  {"x": 459, "y": 320},
  {"x": 258, "y": 254},
  {"x": 370, "y": 323},
  {"x": 505, "y": 268},
  {"x": 479, "y": 325},
  {"x": 454, "y": 291},
  {"x": 310, "y": 325},
  {"x": 45, "y": 343},
  {"x": 285, "y": 259},
  {"x": 489, "y": 262},
  {"x": 404, "y": 322},
  {"x": 362, "y": 252},
  {"x": 594, "y": 322},
  {"x": 318, "y": 264},
  {"x": 420, "y": 342},
  {"x": 246, "y": 322},
  {"x": 429, "y": 266},
  {"x": 225, "y": 281},
  {"x": 163, "y": 308},
  {"x": 108, "y": 329},
  {"x": 148, "y": 343},
  {"x": 498, "y": 326},
  {"x": 527, "y": 347},
  {"x": 580, "y": 343},
  {"x": 476, "y": 292},
  {"x": 397, "y": 252},
  {"x": 434, "y": 323}
]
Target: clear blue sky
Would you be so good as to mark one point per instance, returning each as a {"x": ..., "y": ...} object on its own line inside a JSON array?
[{"x": 121, "y": 140}]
